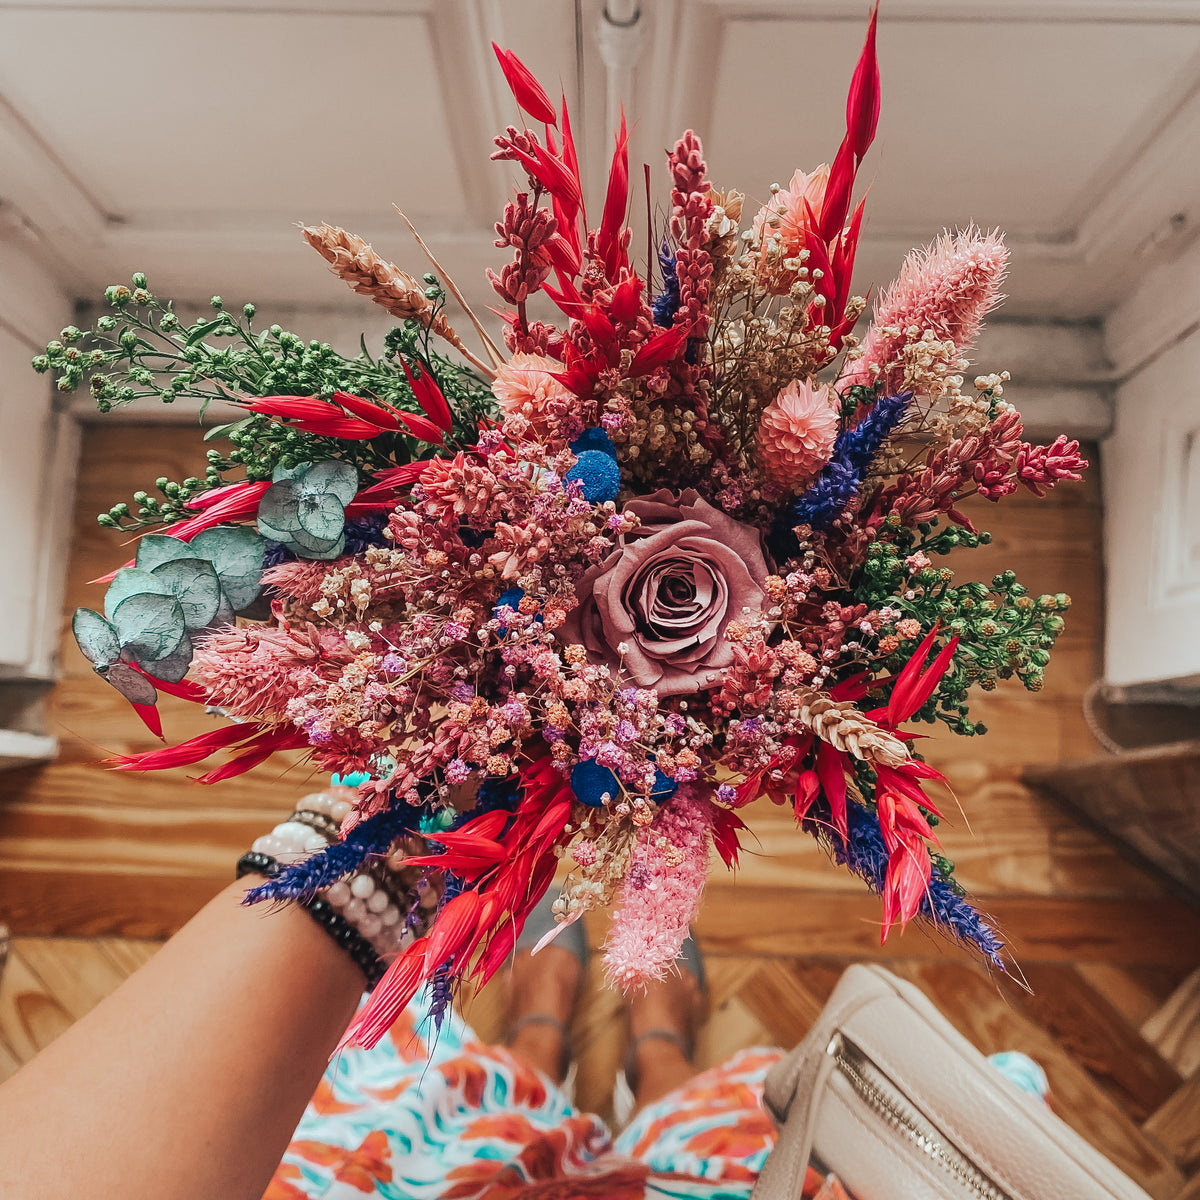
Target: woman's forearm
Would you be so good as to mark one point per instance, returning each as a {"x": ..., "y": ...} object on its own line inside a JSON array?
[{"x": 189, "y": 1079}]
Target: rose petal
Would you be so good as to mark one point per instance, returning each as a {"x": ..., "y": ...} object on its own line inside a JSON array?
[{"x": 668, "y": 592}]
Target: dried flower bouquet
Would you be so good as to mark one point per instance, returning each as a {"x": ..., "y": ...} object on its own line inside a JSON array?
[{"x": 583, "y": 600}]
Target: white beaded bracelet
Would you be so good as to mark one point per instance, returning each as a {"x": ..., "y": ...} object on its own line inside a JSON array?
[
  {"x": 367, "y": 905},
  {"x": 360, "y": 898}
]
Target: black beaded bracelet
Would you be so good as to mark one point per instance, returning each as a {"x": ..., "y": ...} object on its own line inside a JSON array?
[
  {"x": 254, "y": 863},
  {"x": 325, "y": 915},
  {"x": 348, "y": 938}
]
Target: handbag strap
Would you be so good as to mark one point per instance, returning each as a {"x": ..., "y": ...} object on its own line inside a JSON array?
[{"x": 782, "y": 1176}]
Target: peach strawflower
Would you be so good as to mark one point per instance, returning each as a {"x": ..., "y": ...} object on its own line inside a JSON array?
[
  {"x": 789, "y": 206},
  {"x": 796, "y": 434},
  {"x": 525, "y": 387}
]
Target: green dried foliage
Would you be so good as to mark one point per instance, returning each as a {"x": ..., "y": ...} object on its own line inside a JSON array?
[
  {"x": 141, "y": 350},
  {"x": 1005, "y": 633}
]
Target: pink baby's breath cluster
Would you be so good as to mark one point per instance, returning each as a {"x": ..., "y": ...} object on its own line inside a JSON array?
[{"x": 661, "y": 896}]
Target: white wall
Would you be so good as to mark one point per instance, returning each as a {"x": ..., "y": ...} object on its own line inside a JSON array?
[{"x": 1152, "y": 514}]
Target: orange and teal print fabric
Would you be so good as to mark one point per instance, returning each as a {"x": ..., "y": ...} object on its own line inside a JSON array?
[{"x": 424, "y": 1117}]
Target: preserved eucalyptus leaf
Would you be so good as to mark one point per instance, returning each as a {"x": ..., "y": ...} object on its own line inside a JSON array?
[
  {"x": 318, "y": 549},
  {"x": 224, "y": 615},
  {"x": 135, "y": 687},
  {"x": 193, "y": 582},
  {"x": 157, "y": 548},
  {"x": 332, "y": 477},
  {"x": 96, "y": 638},
  {"x": 282, "y": 536},
  {"x": 131, "y": 581},
  {"x": 150, "y": 626},
  {"x": 321, "y": 515},
  {"x": 174, "y": 666},
  {"x": 236, "y": 553},
  {"x": 278, "y": 510}
]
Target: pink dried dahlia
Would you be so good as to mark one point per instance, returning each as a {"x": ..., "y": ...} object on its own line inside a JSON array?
[
  {"x": 796, "y": 434},
  {"x": 525, "y": 387}
]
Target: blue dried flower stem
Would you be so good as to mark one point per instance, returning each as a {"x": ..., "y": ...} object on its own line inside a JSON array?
[
  {"x": 838, "y": 483},
  {"x": 665, "y": 305},
  {"x": 493, "y": 794},
  {"x": 865, "y": 853},
  {"x": 443, "y": 984},
  {"x": 364, "y": 532},
  {"x": 375, "y": 835}
]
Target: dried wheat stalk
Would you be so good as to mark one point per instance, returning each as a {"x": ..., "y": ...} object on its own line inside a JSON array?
[
  {"x": 490, "y": 346},
  {"x": 846, "y": 729},
  {"x": 356, "y": 262}
]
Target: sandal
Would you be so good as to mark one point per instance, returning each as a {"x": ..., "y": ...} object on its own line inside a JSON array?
[
  {"x": 625, "y": 1088},
  {"x": 572, "y": 938}
]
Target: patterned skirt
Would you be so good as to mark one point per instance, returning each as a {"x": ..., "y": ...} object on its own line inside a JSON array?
[{"x": 422, "y": 1117}]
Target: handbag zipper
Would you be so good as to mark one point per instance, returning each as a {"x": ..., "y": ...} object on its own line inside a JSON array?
[{"x": 871, "y": 1085}]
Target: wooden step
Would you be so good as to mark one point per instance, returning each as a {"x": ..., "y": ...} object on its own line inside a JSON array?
[
  {"x": 1095, "y": 1034},
  {"x": 1147, "y": 800},
  {"x": 1176, "y": 1126},
  {"x": 791, "y": 923}
]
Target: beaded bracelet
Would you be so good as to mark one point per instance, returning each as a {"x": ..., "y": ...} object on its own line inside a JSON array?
[
  {"x": 254, "y": 863},
  {"x": 327, "y": 827},
  {"x": 364, "y": 900}
]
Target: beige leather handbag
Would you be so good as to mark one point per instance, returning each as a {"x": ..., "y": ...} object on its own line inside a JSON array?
[{"x": 885, "y": 1094}]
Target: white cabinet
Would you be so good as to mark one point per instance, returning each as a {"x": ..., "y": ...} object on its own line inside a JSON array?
[
  {"x": 1152, "y": 488},
  {"x": 38, "y": 455}
]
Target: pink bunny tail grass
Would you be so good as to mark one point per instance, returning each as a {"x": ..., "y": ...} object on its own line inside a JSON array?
[
  {"x": 949, "y": 288},
  {"x": 662, "y": 892}
]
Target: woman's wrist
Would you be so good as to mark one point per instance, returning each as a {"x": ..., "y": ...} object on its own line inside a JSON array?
[{"x": 371, "y": 913}]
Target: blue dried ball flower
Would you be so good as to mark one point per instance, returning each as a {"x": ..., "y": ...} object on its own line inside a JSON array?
[
  {"x": 664, "y": 787},
  {"x": 591, "y": 782},
  {"x": 594, "y": 439},
  {"x": 599, "y": 474},
  {"x": 509, "y": 599}
]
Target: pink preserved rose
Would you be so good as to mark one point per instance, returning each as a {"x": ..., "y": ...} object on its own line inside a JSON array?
[{"x": 661, "y": 601}]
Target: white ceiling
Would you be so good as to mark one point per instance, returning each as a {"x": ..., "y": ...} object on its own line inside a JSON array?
[{"x": 186, "y": 139}]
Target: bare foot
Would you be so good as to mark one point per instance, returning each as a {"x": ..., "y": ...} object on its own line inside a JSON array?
[
  {"x": 545, "y": 986},
  {"x": 674, "y": 1004}
]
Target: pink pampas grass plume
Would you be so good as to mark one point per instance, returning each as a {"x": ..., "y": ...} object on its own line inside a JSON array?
[
  {"x": 948, "y": 288},
  {"x": 796, "y": 434},
  {"x": 661, "y": 895},
  {"x": 256, "y": 671}
]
